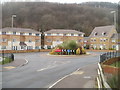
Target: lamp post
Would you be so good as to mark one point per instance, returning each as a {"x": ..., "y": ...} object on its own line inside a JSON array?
[
  {"x": 13, "y": 16},
  {"x": 114, "y": 12}
]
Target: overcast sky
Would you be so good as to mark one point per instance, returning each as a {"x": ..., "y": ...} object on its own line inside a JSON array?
[{"x": 66, "y": 1}]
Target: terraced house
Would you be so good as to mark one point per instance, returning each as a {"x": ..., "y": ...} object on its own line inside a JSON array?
[
  {"x": 19, "y": 39},
  {"x": 104, "y": 37},
  {"x": 55, "y": 37}
]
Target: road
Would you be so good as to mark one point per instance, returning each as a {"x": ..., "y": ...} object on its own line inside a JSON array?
[{"x": 43, "y": 70}]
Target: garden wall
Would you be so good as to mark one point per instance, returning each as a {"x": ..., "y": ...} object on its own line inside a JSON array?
[{"x": 111, "y": 69}]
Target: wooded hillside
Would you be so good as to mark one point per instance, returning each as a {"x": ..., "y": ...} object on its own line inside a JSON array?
[{"x": 44, "y": 16}]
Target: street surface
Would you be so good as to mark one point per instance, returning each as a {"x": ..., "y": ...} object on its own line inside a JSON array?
[{"x": 43, "y": 70}]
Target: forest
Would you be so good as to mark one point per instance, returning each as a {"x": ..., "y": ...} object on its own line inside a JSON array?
[{"x": 43, "y": 16}]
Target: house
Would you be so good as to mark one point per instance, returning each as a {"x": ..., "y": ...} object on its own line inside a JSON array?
[
  {"x": 19, "y": 39},
  {"x": 55, "y": 37},
  {"x": 104, "y": 37}
]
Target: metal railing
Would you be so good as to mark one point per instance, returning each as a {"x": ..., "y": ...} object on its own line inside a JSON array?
[
  {"x": 101, "y": 81},
  {"x": 109, "y": 55}
]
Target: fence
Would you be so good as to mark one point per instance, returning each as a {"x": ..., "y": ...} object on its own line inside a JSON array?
[
  {"x": 7, "y": 57},
  {"x": 101, "y": 79},
  {"x": 109, "y": 55}
]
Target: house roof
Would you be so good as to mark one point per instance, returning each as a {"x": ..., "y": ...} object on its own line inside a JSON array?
[
  {"x": 27, "y": 30},
  {"x": 63, "y": 31},
  {"x": 100, "y": 30}
]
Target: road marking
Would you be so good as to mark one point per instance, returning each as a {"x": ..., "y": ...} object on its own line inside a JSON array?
[
  {"x": 9, "y": 67},
  {"x": 49, "y": 67},
  {"x": 58, "y": 81},
  {"x": 87, "y": 77},
  {"x": 77, "y": 73}
]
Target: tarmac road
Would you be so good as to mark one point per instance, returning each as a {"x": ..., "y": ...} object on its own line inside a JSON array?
[{"x": 44, "y": 70}]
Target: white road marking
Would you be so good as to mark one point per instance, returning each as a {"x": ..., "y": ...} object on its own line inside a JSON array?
[
  {"x": 54, "y": 64},
  {"x": 87, "y": 77}
]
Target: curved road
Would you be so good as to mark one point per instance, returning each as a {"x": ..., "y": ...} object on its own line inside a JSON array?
[{"x": 43, "y": 70}]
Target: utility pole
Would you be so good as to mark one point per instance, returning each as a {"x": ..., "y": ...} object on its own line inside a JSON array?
[{"x": 114, "y": 12}]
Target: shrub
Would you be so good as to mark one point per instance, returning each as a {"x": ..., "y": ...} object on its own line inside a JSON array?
[
  {"x": 83, "y": 51},
  {"x": 78, "y": 51}
]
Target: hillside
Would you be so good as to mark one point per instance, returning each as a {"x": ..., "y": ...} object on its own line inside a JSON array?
[{"x": 44, "y": 16}]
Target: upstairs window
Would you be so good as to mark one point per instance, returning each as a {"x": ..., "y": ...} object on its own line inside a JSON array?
[
  {"x": 14, "y": 33},
  {"x": 104, "y": 33},
  {"x": 37, "y": 34},
  {"x": 3, "y": 33},
  {"x": 48, "y": 34},
  {"x": 21, "y": 33},
  {"x": 58, "y": 34},
  {"x": 65, "y": 34},
  {"x": 79, "y": 35},
  {"x": 72, "y": 34},
  {"x": 30, "y": 33},
  {"x": 95, "y": 34}
]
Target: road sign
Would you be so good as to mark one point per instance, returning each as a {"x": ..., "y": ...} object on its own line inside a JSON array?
[{"x": 58, "y": 50}]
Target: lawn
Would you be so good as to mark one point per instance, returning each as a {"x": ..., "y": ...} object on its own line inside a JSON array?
[
  {"x": 6, "y": 60},
  {"x": 116, "y": 64}
]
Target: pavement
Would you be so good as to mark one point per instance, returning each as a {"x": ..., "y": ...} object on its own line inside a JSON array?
[
  {"x": 81, "y": 78},
  {"x": 14, "y": 64}
]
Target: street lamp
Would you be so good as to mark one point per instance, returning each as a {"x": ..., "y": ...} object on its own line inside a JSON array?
[
  {"x": 114, "y": 12},
  {"x": 13, "y": 16}
]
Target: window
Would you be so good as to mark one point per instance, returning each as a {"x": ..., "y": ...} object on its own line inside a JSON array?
[
  {"x": 37, "y": 34},
  {"x": 14, "y": 40},
  {"x": 72, "y": 34},
  {"x": 48, "y": 47},
  {"x": 4, "y": 40},
  {"x": 58, "y": 40},
  {"x": 79, "y": 40},
  {"x": 21, "y": 33},
  {"x": 3, "y": 33},
  {"x": 30, "y": 41},
  {"x": 37, "y": 41},
  {"x": 49, "y": 40},
  {"x": 14, "y": 33},
  {"x": 37, "y": 47},
  {"x": 65, "y": 34},
  {"x": 48, "y": 34},
  {"x": 30, "y": 33},
  {"x": 104, "y": 33},
  {"x": 30, "y": 47},
  {"x": 79, "y": 34},
  {"x": 95, "y": 34},
  {"x": 113, "y": 40},
  {"x": 57, "y": 34},
  {"x": 3, "y": 47}
]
